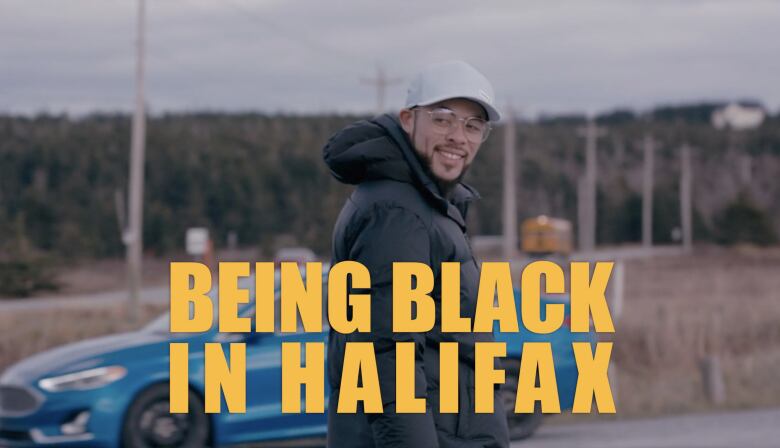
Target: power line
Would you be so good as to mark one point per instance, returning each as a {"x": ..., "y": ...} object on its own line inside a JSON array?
[
  {"x": 381, "y": 81},
  {"x": 293, "y": 36}
]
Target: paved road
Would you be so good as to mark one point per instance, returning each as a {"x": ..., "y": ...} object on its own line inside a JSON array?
[
  {"x": 148, "y": 295},
  {"x": 748, "y": 429},
  {"x": 627, "y": 252}
]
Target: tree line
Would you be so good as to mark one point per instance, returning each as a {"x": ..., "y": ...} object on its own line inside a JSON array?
[{"x": 262, "y": 177}]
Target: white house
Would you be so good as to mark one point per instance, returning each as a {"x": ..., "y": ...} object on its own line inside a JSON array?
[{"x": 738, "y": 117}]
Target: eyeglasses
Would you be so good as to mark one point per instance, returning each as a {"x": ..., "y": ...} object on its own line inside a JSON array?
[{"x": 444, "y": 121}]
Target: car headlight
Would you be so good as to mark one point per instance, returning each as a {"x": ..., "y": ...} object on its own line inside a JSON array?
[{"x": 84, "y": 380}]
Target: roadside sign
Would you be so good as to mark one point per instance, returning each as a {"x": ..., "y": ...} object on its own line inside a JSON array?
[{"x": 197, "y": 240}]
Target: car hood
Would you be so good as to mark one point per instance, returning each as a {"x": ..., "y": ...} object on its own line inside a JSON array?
[{"x": 80, "y": 356}]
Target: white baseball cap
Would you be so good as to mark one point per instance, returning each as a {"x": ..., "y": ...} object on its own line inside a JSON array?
[{"x": 452, "y": 79}]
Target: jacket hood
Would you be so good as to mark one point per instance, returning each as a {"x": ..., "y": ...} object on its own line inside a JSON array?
[{"x": 380, "y": 149}]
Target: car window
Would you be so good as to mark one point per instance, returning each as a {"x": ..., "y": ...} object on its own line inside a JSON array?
[{"x": 250, "y": 312}]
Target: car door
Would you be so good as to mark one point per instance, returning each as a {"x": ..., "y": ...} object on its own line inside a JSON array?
[{"x": 264, "y": 419}]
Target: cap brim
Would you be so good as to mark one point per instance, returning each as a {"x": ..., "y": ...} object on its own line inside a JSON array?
[{"x": 492, "y": 112}]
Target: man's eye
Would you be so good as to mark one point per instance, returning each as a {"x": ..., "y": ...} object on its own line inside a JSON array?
[
  {"x": 440, "y": 120},
  {"x": 475, "y": 126}
]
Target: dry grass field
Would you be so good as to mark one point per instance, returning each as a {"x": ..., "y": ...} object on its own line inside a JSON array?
[
  {"x": 81, "y": 279},
  {"x": 677, "y": 310},
  {"x": 23, "y": 333}
]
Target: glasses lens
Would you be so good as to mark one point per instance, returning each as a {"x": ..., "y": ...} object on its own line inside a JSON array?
[
  {"x": 475, "y": 126},
  {"x": 475, "y": 129},
  {"x": 443, "y": 119}
]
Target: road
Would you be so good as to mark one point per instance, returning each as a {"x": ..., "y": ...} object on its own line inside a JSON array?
[
  {"x": 627, "y": 252},
  {"x": 748, "y": 429},
  {"x": 157, "y": 295}
]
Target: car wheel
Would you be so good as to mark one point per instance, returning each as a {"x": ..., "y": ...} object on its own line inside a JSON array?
[
  {"x": 149, "y": 424},
  {"x": 521, "y": 426}
]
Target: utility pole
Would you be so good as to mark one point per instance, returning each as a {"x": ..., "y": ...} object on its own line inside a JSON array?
[
  {"x": 620, "y": 153},
  {"x": 133, "y": 237},
  {"x": 685, "y": 198},
  {"x": 745, "y": 170},
  {"x": 381, "y": 82},
  {"x": 586, "y": 196},
  {"x": 510, "y": 190},
  {"x": 647, "y": 191}
]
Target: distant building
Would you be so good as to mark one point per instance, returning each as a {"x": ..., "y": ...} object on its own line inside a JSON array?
[{"x": 736, "y": 116}]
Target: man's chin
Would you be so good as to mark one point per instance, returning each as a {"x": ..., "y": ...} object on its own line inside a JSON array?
[
  {"x": 451, "y": 173},
  {"x": 446, "y": 184}
]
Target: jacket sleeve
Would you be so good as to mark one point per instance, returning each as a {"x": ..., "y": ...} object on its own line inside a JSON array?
[{"x": 390, "y": 233}]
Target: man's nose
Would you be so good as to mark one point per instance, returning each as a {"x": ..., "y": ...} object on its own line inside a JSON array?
[{"x": 458, "y": 133}]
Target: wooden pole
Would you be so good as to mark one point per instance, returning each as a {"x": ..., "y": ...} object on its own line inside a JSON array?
[
  {"x": 134, "y": 236},
  {"x": 587, "y": 190},
  {"x": 647, "y": 192},
  {"x": 685, "y": 198},
  {"x": 510, "y": 190}
]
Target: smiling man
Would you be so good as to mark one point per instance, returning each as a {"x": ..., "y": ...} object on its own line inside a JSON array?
[
  {"x": 444, "y": 145},
  {"x": 410, "y": 206}
]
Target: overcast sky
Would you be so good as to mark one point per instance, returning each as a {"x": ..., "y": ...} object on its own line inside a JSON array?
[{"x": 309, "y": 56}]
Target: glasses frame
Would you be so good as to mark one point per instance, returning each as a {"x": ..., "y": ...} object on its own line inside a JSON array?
[{"x": 462, "y": 121}]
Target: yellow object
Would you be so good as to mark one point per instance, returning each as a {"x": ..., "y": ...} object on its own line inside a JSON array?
[
  {"x": 311, "y": 376},
  {"x": 225, "y": 380},
  {"x": 543, "y": 235},
  {"x": 537, "y": 357}
]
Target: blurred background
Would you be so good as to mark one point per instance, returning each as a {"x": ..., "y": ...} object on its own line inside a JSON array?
[{"x": 644, "y": 132}]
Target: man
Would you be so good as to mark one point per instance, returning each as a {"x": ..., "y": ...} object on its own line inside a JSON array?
[{"x": 409, "y": 205}]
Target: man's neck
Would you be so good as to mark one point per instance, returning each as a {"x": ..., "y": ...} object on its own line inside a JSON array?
[{"x": 447, "y": 188}]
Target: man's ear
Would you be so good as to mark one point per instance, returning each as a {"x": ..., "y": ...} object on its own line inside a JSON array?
[{"x": 406, "y": 117}]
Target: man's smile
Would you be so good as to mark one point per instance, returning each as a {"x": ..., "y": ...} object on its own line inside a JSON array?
[{"x": 451, "y": 154}]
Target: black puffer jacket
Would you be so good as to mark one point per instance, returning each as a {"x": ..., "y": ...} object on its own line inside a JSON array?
[{"x": 396, "y": 213}]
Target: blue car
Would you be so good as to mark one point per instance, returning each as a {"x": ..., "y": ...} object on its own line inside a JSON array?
[
  {"x": 113, "y": 391},
  {"x": 522, "y": 426}
]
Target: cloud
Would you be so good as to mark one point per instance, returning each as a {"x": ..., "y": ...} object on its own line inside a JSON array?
[{"x": 308, "y": 56}]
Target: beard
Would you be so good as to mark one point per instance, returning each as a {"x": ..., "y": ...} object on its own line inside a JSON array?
[{"x": 446, "y": 186}]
